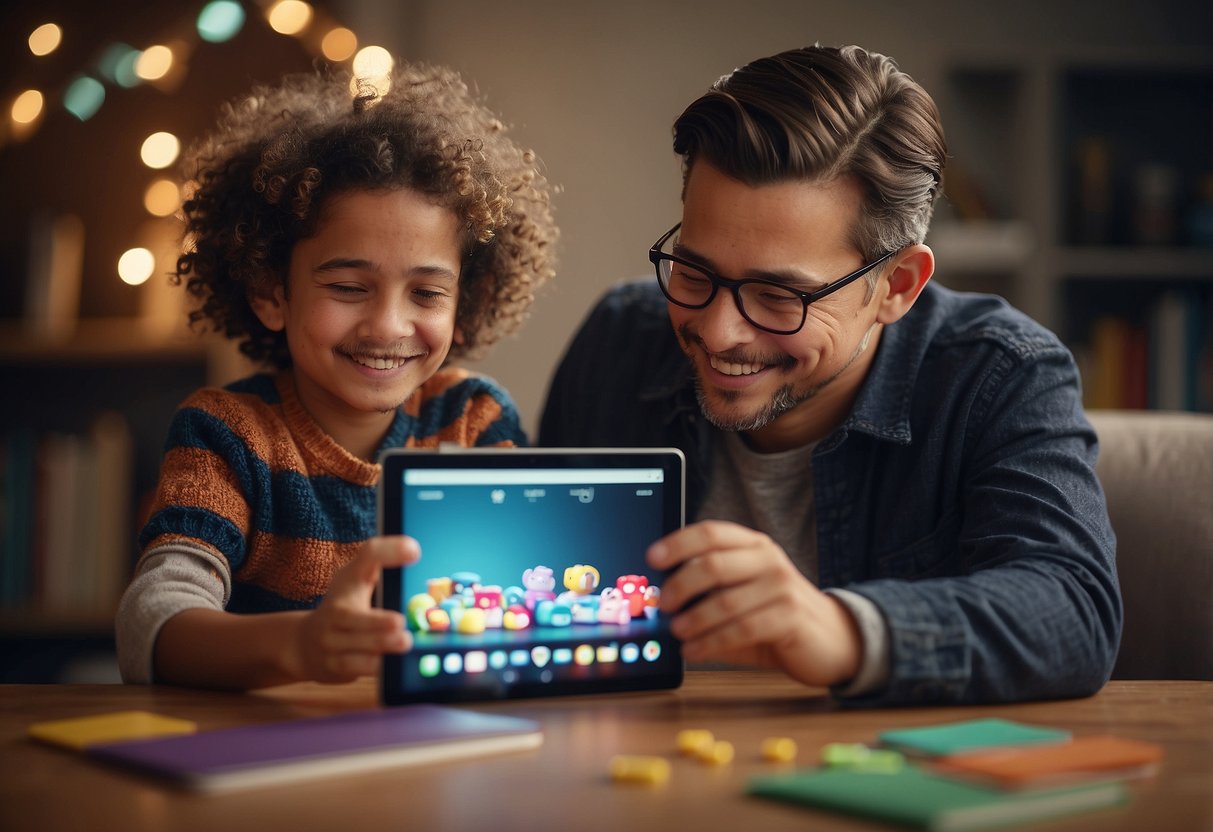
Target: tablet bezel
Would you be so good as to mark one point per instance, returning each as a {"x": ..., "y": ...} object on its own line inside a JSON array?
[{"x": 666, "y": 674}]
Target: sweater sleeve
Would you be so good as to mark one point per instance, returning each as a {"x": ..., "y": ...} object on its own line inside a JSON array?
[{"x": 169, "y": 579}]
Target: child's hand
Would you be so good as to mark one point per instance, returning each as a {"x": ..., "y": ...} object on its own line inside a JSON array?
[{"x": 345, "y": 637}]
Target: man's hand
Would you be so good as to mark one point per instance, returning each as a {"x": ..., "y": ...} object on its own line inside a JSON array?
[
  {"x": 345, "y": 637},
  {"x": 753, "y": 605}
]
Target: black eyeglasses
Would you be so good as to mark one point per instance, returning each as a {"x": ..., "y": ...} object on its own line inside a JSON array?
[{"x": 770, "y": 306}]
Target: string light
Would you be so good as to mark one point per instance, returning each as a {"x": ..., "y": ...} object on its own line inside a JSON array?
[
  {"x": 84, "y": 97},
  {"x": 220, "y": 21},
  {"x": 127, "y": 67},
  {"x": 136, "y": 265},
  {"x": 162, "y": 198},
  {"x": 339, "y": 44},
  {"x": 154, "y": 63},
  {"x": 373, "y": 68},
  {"x": 27, "y": 107},
  {"x": 45, "y": 39},
  {"x": 289, "y": 17},
  {"x": 159, "y": 150}
]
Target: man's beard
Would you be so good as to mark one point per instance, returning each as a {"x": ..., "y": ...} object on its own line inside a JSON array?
[{"x": 786, "y": 398}]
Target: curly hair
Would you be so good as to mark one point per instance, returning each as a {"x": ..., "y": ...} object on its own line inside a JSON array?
[
  {"x": 261, "y": 180},
  {"x": 820, "y": 113}
]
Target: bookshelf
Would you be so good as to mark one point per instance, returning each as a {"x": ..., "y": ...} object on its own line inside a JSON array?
[
  {"x": 1081, "y": 188},
  {"x": 80, "y": 443}
]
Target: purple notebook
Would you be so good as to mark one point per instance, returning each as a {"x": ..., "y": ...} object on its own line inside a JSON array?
[{"x": 287, "y": 752}]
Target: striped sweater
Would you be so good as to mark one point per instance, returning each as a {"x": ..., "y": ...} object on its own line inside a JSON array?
[{"x": 250, "y": 476}]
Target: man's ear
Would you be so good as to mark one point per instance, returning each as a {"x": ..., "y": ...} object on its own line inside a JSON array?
[
  {"x": 270, "y": 307},
  {"x": 910, "y": 270}
]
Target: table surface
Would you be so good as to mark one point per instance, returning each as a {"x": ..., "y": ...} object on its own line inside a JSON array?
[{"x": 564, "y": 784}]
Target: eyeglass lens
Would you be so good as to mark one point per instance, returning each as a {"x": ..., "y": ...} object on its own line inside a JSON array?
[{"x": 766, "y": 304}]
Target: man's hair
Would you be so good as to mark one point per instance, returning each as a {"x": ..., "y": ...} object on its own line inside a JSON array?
[
  {"x": 818, "y": 114},
  {"x": 261, "y": 181}
]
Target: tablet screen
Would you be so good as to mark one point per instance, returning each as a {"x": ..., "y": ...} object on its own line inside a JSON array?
[{"x": 532, "y": 579}]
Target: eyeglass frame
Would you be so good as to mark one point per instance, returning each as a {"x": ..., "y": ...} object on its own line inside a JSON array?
[{"x": 656, "y": 255}]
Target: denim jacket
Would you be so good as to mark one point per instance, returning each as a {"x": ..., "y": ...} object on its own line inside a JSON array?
[{"x": 959, "y": 495}]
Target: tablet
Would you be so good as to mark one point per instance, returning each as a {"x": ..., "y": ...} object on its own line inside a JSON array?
[{"x": 532, "y": 579}]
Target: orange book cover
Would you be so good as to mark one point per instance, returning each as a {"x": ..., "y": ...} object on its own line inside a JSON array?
[{"x": 1083, "y": 759}]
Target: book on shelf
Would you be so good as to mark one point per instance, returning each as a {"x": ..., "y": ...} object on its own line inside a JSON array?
[
  {"x": 16, "y": 515},
  {"x": 55, "y": 269},
  {"x": 1165, "y": 362},
  {"x": 67, "y": 517}
]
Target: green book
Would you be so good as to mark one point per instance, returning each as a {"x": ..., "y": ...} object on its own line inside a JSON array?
[
  {"x": 914, "y": 798},
  {"x": 970, "y": 735}
]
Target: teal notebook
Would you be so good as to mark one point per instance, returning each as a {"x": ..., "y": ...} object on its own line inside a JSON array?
[
  {"x": 969, "y": 735},
  {"x": 914, "y": 798}
]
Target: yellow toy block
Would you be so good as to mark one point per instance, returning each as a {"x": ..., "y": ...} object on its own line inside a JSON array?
[{"x": 633, "y": 768}]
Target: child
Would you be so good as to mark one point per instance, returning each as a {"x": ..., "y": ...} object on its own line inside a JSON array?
[{"x": 352, "y": 243}]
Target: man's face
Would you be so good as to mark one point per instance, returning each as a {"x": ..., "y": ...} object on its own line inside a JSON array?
[{"x": 783, "y": 390}]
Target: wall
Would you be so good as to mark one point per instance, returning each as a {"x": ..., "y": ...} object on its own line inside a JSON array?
[{"x": 593, "y": 88}]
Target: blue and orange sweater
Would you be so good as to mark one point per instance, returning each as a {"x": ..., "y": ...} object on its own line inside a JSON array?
[{"x": 249, "y": 474}]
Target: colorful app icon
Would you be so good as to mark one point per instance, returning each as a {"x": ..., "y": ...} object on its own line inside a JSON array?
[
  {"x": 562, "y": 655},
  {"x": 629, "y": 652},
  {"x": 498, "y": 659},
  {"x": 476, "y": 661},
  {"x": 429, "y": 665},
  {"x": 519, "y": 658},
  {"x": 541, "y": 654},
  {"x": 608, "y": 653},
  {"x": 651, "y": 651},
  {"x": 452, "y": 662},
  {"x": 583, "y": 655}
]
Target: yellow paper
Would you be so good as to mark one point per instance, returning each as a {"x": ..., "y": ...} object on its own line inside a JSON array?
[{"x": 82, "y": 732}]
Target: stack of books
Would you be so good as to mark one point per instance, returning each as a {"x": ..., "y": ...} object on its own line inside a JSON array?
[{"x": 976, "y": 774}]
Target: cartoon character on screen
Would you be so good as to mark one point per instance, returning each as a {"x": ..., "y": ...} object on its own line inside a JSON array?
[
  {"x": 613, "y": 607},
  {"x": 540, "y": 583},
  {"x": 517, "y": 617},
  {"x": 580, "y": 580},
  {"x": 632, "y": 588},
  {"x": 652, "y": 600},
  {"x": 439, "y": 589},
  {"x": 464, "y": 585},
  {"x": 489, "y": 600},
  {"x": 417, "y": 609},
  {"x": 553, "y": 614}
]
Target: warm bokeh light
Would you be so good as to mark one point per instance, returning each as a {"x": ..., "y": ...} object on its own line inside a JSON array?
[
  {"x": 220, "y": 20},
  {"x": 136, "y": 265},
  {"x": 372, "y": 68},
  {"x": 27, "y": 107},
  {"x": 45, "y": 39},
  {"x": 289, "y": 17},
  {"x": 162, "y": 198},
  {"x": 159, "y": 150},
  {"x": 154, "y": 63},
  {"x": 84, "y": 97},
  {"x": 339, "y": 44},
  {"x": 373, "y": 62}
]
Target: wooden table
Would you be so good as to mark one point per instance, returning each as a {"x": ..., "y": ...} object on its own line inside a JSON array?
[{"x": 564, "y": 784}]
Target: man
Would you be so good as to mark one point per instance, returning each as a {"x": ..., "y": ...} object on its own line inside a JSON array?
[{"x": 846, "y": 423}]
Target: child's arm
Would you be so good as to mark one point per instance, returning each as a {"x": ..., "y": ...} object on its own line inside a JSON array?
[{"x": 343, "y": 638}]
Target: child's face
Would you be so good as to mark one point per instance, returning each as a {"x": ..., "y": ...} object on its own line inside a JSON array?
[{"x": 371, "y": 310}]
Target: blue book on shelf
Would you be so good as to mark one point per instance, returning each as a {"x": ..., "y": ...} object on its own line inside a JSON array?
[{"x": 18, "y": 508}]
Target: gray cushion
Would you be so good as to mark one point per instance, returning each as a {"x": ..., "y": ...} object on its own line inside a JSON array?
[{"x": 1157, "y": 471}]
